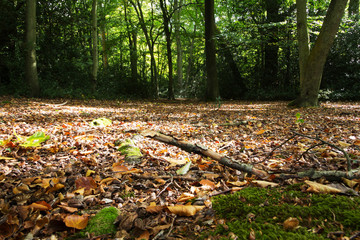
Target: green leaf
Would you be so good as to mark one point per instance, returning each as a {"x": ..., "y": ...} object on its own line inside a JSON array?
[
  {"x": 35, "y": 140},
  {"x": 184, "y": 169},
  {"x": 103, "y": 122}
]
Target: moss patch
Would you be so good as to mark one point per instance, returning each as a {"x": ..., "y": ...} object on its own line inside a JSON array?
[
  {"x": 102, "y": 223},
  {"x": 263, "y": 211},
  {"x": 132, "y": 153}
]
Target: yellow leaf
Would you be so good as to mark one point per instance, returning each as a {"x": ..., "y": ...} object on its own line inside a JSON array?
[
  {"x": 260, "y": 132},
  {"x": 320, "y": 188},
  {"x": 76, "y": 221},
  {"x": 185, "y": 210},
  {"x": 89, "y": 172},
  {"x": 350, "y": 183},
  {"x": 343, "y": 144}
]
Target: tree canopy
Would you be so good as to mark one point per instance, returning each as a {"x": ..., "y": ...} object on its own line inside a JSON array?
[{"x": 154, "y": 49}]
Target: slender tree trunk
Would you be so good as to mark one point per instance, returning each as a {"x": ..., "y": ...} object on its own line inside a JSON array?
[
  {"x": 103, "y": 41},
  {"x": 271, "y": 45},
  {"x": 30, "y": 41},
  {"x": 166, "y": 19},
  {"x": 150, "y": 44},
  {"x": 212, "y": 90},
  {"x": 353, "y": 8},
  {"x": 303, "y": 37},
  {"x": 95, "y": 60},
  {"x": 179, "y": 50},
  {"x": 189, "y": 76},
  {"x": 229, "y": 58},
  {"x": 314, "y": 64},
  {"x": 132, "y": 36}
]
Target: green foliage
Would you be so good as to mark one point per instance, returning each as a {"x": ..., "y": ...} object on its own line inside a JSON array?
[
  {"x": 271, "y": 207},
  {"x": 298, "y": 118},
  {"x": 132, "y": 153},
  {"x": 35, "y": 140}
]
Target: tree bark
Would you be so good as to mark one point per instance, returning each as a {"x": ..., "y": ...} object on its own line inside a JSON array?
[
  {"x": 166, "y": 23},
  {"x": 30, "y": 45},
  {"x": 314, "y": 64},
  {"x": 179, "y": 51},
  {"x": 132, "y": 36},
  {"x": 150, "y": 43},
  {"x": 303, "y": 37},
  {"x": 353, "y": 8},
  {"x": 95, "y": 60},
  {"x": 271, "y": 44},
  {"x": 212, "y": 89}
]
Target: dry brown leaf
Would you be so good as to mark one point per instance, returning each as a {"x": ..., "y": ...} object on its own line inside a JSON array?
[
  {"x": 291, "y": 223},
  {"x": 185, "y": 197},
  {"x": 69, "y": 209},
  {"x": 145, "y": 235},
  {"x": 207, "y": 184},
  {"x": 41, "y": 205},
  {"x": 153, "y": 208},
  {"x": 265, "y": 184},
  {"x": 320, "y": 188},
  {"x": 76, "y": 221},
  {"x": 185, "y": 210},
  {"x": 85, "y": 182}
]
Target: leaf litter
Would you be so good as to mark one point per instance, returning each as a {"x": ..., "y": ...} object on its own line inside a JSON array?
[{"x": 60, "y": 163}]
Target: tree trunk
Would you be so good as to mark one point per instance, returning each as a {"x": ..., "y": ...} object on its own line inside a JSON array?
[
  {"x": 271, "y": 45},
  {"x": 229, "y": 58},
  {"x": 132, "y": 36},
  {"x": 353, "y": 8},
  {"x": 303, "y": 37},
  {"x": 166, "y": 23},
  {"x": 95, "y": 60},
  {"x": 103, "y": 39},
  {"x": 179, "y": 51},
  {"x": 212, "y": 90},
  {"x": 30, "y": 41},
  {"x": 150, "y": 43},
  {"x": 314, "y": 64}
]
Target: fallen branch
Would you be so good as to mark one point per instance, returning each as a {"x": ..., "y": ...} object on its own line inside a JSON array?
[
  {"x": 331, "y": 145},
  {"x": 204, "y": 151},
  {"x": 248, "y": 168}
]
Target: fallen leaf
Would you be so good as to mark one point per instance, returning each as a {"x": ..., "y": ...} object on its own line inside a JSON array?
[
  {"x": 291, "y": 223},
  {"x": 320, "y": 188},
  {"x": 207, "y": 184},
  {"x": 185, "y": 210},
  {"x": 76, "y": 221}
]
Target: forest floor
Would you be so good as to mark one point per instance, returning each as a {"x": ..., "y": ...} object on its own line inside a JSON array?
[{"x": 52, "y": 183}]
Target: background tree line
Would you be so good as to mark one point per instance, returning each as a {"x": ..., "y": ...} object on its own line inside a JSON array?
[{"x": 150, "y": 49}]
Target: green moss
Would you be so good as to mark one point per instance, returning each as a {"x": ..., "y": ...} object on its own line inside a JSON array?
[
  {"x": 271, "y": 207},
  {"x": 131, "y": 152},
  {"x": 102, "y": 223}
]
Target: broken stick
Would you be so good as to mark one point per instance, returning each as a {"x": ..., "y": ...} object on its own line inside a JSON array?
[{"x": 204, "y": 151}]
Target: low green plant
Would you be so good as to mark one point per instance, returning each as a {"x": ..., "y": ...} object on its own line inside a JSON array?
[{"x": 298, "y": 118}]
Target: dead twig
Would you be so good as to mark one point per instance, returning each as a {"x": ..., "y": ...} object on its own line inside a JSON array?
[{"x": 331, "y": 145}]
